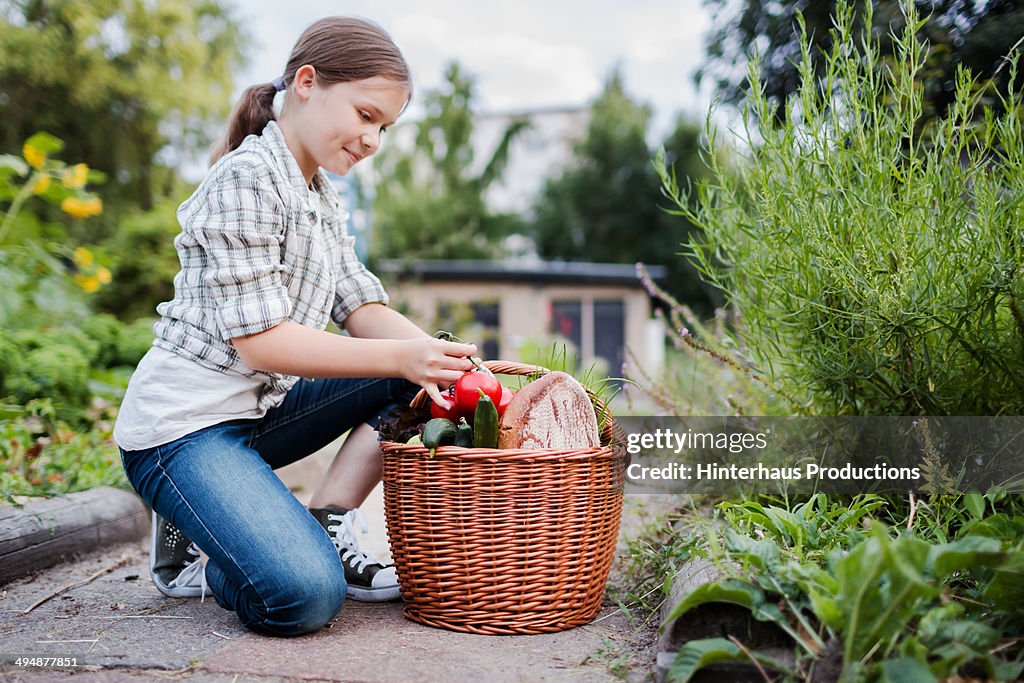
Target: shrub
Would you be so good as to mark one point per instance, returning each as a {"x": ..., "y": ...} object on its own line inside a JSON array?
[
  {"x": 144, "y": 262},
  {"x": 117, "y": 343},
  {"x": 133, "y": 342},
  {"x": 58, "y": 371},
  {"x": 878, "y": 269}
]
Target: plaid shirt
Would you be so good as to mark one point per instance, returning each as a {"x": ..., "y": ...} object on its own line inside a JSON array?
[{"x": 256, "y": 249}]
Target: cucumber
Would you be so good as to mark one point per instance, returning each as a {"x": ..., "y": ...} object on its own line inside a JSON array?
[
  {"x": 440, "y": 431},
  {"x": 485, "y": 423},
  {"x": 464, "y": 434}
]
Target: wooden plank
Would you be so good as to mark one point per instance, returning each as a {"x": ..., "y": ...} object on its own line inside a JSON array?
[{"x": 45, "y": 532}]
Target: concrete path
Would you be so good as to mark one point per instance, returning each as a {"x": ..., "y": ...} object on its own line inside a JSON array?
[{"x": 105, "y": 612}]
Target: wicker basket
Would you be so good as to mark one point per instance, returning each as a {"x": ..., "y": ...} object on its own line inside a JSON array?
[{"x": 503, "y": 541}]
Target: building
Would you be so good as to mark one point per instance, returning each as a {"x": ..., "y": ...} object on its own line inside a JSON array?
[
  {"x": 601, "y": 309},
  {"x": 520, "y": 306}
]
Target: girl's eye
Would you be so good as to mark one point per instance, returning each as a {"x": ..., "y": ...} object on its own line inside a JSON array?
[{"x": 364, "y": 115}]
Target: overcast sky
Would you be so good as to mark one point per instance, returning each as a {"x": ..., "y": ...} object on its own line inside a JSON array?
[{"x": 524, "y": 54}]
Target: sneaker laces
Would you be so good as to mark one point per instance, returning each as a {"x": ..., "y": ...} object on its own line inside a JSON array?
[
  {"x": 192, "y": 567},
  {"x": 344, "y": 538}
]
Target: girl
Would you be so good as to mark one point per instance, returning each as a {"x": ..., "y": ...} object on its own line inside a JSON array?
[{"x": 221, "y": 399}]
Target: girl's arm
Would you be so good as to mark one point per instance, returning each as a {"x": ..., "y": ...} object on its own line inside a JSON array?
[
  {"x": 377, "y": 321},
  {"x": 293, "y": 349}
]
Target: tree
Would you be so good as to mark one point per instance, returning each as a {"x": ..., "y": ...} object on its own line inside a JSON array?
[
  {"x": 978, "y": 35},
  {"x": 430, "y": 203},
  {"x": 120, "y": 82},
  {"x": 606, "y": 206}
]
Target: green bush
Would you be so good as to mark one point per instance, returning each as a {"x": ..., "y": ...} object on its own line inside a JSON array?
[
  {"x": 877, "y": 270},
  {"x": 117, "y": 343},
  {"x": 62, "y": 363},
  {"x": 144, "y": 262},
  {"x": 133, "y": 341},
  {"x": 58, "y": 371},
  {"x": 105, "y": 331}
]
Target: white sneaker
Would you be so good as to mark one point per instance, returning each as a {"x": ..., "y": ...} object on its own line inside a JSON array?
[
  {"x": 174, "y": 562},
  {"x": 369, "y": 579}
]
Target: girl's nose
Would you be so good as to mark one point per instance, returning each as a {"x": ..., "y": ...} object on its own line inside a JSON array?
[{"x": 370, "y": 142}]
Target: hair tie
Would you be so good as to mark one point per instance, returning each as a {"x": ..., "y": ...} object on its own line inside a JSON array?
[{"x": 278, "y": 83}]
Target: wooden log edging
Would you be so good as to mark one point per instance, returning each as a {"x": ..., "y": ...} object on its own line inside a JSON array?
[
  {"x": 45, "y": 532},
  {"x": 714, "y": 620}
]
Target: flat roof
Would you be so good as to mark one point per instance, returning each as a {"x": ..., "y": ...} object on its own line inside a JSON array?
[{"x": 532, "y": 272}]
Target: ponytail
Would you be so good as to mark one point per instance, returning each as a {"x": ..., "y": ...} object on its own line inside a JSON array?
[{"x": 255, "y": 109}]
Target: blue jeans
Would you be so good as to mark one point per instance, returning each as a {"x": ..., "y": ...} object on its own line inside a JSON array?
[{"x": 269, "y": 560}]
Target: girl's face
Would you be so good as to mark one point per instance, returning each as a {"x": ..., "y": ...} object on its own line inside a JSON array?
[{"x": 334, "y": 127}]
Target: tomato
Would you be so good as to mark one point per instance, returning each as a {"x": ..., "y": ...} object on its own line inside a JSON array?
[
  {"x": 467, "y": 390},
  {"x": 451, "y": 413},
  {"x": 506, "y": 396}
]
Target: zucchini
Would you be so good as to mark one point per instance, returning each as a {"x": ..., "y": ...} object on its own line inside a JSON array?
[
  {"x": 485, "y": 423},
  {"x": 464, "y": 434},
  {"x": 439, "y": 431}
]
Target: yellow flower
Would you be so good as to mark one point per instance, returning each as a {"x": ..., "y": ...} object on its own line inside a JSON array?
[
  {"x": 82, "y": 257},
  {"x": 33, "y": 155},
  {"x": 90, "y": 284},
  {"x": 42, "y": 184},
  {"x": 82, "y": 208},
  {"x": 103, "y": 275},
  {"x": 75, "y": 176}
]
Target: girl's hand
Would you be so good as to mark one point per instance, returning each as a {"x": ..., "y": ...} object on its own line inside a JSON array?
[{"x": 431, "y": 362}]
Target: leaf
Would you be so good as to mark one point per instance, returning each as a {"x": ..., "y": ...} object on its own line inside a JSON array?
[
  {"x": 763, "y": 553},
  {"x": 1006, "y": 589},
  {"x": 697, "y": 654},
  {"x": 787, "y": 523},
  {"x": 906, "y": 670},
  {"x": 1008, "y": 671},
  {"x": 625, "y": 610},
  {"x": 96, "y": 177},
  {"x": 736, "y": 592},
  {"x": 975, "y": 504},
  {"x": 10, "y": 163},
  {"x": 46, "y": 143},
  {"x": 827, "y": 609},
  {"x": 975, "y": 635},
  {"x": 733, "y": 591},
  {"x": 966, "y": 553}
]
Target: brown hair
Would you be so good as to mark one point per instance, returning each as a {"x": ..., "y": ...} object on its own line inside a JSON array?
[{"x": 341, "y": 49}]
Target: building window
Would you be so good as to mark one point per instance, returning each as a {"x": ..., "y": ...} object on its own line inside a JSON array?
[
  {"x": 487, "y": 314},
  {"x": 610, "y": 333},
  {"x": 567, "y": 322},
  {"x": 477, "y": 322},
  {"x": 596, "y": 328}
]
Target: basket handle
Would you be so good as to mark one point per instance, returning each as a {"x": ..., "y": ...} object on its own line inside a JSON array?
[{"x": 611, "y": 432}]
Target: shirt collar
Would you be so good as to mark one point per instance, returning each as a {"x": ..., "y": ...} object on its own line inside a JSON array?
[{"x": 273, "y": 138}]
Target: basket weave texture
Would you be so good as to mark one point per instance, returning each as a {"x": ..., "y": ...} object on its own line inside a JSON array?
[{"x": 504, "y": 541}]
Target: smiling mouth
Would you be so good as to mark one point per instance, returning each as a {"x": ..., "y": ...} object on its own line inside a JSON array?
[{"x": 355, "y": 157}]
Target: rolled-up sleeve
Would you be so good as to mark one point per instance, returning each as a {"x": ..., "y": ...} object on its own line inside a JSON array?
[
  {"x": 241, "y": 228},
  {"x": 356, "y": 285}
]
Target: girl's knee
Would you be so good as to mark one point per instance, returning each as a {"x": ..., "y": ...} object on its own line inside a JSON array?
[{"x": 304, "y": 602}]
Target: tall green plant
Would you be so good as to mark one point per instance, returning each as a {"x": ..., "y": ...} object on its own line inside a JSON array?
[
  {"x": 433, "y": 202},
  {"x": 877, "y": 271}
]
